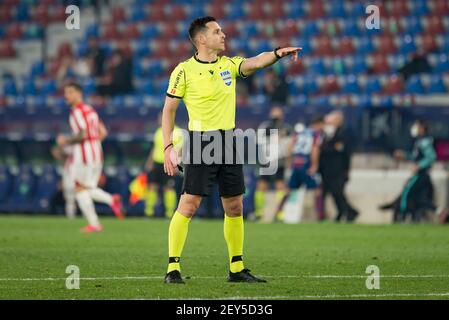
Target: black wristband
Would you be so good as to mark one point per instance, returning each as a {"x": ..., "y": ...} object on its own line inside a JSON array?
[
  {"x": 169, "y": 145},
  {"x": 276, "y": 54}
]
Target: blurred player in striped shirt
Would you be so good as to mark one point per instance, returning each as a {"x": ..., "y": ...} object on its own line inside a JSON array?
[{"x": 87, "y": 158}]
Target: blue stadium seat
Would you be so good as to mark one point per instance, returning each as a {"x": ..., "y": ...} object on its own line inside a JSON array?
[
  {"x": 235, "y": 11},
  {"x": 146, "y": 87},
  {"x": 195, "y": 11},
  {"x": 149, "y": 31},
  {"x": 89, "y": 86},
  {"x": 92, "y": 31},
  {"x": 317, "y": 66},
  {"x": 29, "y": 88},
  {"x": 357, "y": 65},
  {"x": 445, "y": 45},
  {"x": 309, "y": 85},
  {"x": 32, "y": 31},
  {"x": 406, "y": 45},
  {"x": 21, "y": 13},
  {"x": 137, "y": 13},
  {"x": 356, "y": 9},
  {"x": 372, "y": 85},
  {"x": 295, "y": 10},
  {"x": 442, "y": 64},
  {"x": 139, "y": 68},
  {"x": 321, "y": 100},
  {"x": 142, "y": 48},
  {"x": 48, "y": 86},
  {"x": 37, "y": 101},
  {"x": 413, "y": 25},
  {"x": 350, "y": 28},
  {"x": 364, "y": 45},
  {"x": 310, "y": 29},
  {"x": 300, "y": 100},
  {"x": 350, "y": 85},
  {"x": 436, "y": 84},
  {"x": 414, "y": 85},
  {"x": 249, "y": 29},
  {"x": 37, "y": 69},
  {"x": 336, "y": 9},
  {"x": 134, "y": 101},
  {"x": 382, "y": 101},
  {"x": 118, "y": 101},
  {"x": 9, "y": 87},
  {"x": 419, "y": 7},
  {"x": 363, "y": 100}
]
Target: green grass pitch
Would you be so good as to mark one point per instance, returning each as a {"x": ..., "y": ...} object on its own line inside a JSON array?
[{"x": 304, "y": 261}]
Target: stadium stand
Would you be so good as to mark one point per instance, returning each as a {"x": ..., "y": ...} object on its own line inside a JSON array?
[{"x": 343, "y": 64}]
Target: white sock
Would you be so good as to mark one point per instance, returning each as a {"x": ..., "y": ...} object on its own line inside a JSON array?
[
  {"x": 87, "y": 207},
  {"x": 70, "y": 206},
  {"x": 99, "y": 195}
]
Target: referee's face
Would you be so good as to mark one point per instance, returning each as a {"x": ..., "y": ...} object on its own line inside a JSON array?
[{"x": 214, "y": 36}]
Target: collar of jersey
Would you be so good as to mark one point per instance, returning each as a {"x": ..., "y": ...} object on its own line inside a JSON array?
[{"x": 205, "y": 62}]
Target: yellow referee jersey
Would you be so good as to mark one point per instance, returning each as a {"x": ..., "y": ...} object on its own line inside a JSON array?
[
  {"x": 158, "y": 148},
  {"x": 208, "y": 91}
]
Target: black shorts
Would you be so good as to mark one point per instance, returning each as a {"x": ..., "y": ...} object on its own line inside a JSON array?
[
  {"x": 158, "y": 176},
  {"x": 199, "y": 179},
  {"x": 199, "y": 176},
  {"x": 278, "y": 176}
]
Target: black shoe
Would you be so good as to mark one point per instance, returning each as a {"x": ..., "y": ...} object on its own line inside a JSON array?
[
  {"x": 352, "y": 215},
  {"x": 387, "y": 206},
  {"x": 243, "y": 276},
  {"x": 173, "y": 277}
]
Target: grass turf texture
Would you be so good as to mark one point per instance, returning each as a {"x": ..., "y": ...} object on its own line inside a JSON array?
[{"x": 305, "y": 261}]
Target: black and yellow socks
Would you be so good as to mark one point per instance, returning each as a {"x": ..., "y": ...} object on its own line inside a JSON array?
[
  {"x": 234, "y": 235},
  {"x": 177, "y": 234}
]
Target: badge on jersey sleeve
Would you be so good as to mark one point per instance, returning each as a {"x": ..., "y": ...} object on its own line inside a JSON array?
[{"x": 226, "y": 76}]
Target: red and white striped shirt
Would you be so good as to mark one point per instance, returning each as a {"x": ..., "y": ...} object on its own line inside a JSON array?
[{"x": 89, "y": 151}]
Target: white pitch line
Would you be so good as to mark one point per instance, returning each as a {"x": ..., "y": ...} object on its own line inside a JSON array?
[
  {"x": 155, "y": 277},
  {"x": 329, "y": 296}
]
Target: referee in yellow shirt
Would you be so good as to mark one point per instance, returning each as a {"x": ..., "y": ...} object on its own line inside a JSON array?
[{"x": 206, "y": 83}]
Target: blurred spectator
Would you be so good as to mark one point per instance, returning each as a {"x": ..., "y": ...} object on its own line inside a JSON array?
[
  {"x": 96, "y": 57},
  {"x": 118, "y": 76},
  {"x": 417, "y": 64},
  {"x": 335, "y": 161},
  {"x": 275, "y": 87},
  {"x": 264, "y": 182},
  {"x": 417, "y": 195}
]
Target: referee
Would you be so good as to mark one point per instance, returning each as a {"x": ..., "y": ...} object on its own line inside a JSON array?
[{"x": 206, "y": 83}]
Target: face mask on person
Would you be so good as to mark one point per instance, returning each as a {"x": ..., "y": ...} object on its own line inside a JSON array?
[
  {"x": 329, "y": 130},
  {"x": 414, "y": 130}
]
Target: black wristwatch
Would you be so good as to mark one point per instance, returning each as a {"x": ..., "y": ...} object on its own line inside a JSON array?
[{"x": 276, "y": 54}]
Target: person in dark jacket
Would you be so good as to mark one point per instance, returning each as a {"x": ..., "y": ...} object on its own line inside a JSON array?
[
  {"x": 335, "y": 161},
  {"x": 417, "y": 195}
]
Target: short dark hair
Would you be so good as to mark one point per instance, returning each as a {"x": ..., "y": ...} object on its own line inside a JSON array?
[
  {"x": 198, "y": 25},
  {"x": 317, "y": 119},
  {"x": 74, "y": 85},
  {"x": 423, "y": 125}
]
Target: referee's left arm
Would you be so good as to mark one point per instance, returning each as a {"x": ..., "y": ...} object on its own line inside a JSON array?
[{"x": 266, "y": 59}]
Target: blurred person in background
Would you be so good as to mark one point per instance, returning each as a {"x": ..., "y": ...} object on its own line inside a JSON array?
[
  {"x": 156, "y": 177},
  {"x": 87, "y": 158},
  {"x": 264, "y": 183},
  {"x": 303, "y": 159},
  {"x": 64, "y": 156},
  {"x": 275, "y": 88},
  {"x": 417, "y": 195},
  {"x": 117, "y": 78},
  {"x": 335, "y": 162},
  {"x": 96, "y": 57}
]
